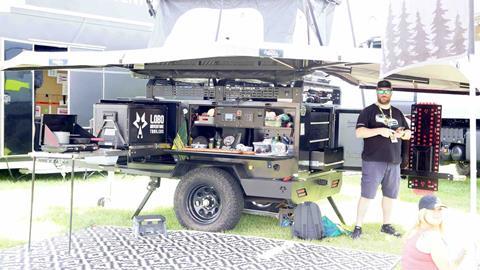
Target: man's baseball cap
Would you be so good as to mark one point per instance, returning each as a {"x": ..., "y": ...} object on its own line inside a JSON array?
[
  {"x": 384, "y": 84},
  {"x": 430, "y": 202}
]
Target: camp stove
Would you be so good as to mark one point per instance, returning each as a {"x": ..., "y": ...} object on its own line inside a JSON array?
[{"x": 60, "y": 133}]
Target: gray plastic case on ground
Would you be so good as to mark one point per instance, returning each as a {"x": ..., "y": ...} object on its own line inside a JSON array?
[{"x": 149, "y": 225}]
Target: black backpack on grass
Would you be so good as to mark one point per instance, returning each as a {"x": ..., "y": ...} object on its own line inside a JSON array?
[{"x": 307, "y": 222}]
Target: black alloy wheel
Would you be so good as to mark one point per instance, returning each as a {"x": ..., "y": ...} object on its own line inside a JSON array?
[{"x": 203, "y": 204}]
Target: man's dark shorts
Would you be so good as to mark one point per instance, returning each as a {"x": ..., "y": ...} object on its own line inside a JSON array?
[{"x": 375, "y": 173}]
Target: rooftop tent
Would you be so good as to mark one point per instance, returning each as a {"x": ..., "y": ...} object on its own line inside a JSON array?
[{"x": 299, "y": 22}]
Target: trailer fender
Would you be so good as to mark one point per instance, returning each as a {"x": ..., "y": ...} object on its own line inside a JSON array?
[{"x": 182, "y": 168}]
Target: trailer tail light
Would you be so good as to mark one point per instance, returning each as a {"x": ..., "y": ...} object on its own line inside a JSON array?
[
  {"x": 302, "y": 192},
  {"x": 335, "y": 183}
]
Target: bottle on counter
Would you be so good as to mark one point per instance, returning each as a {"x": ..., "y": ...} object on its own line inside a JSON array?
[{"x": 211, "y": 143}]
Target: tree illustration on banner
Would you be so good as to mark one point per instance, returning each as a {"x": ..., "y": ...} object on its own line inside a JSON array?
[
  {"x": 459, "y": 42},
  {"x": 405, "y": 41},
  {"x": 440, "y": 31},
  {"x": 420, "y": 47},
  {"x": 424, "y": 32},
  {"x": 389, "y": 57}
]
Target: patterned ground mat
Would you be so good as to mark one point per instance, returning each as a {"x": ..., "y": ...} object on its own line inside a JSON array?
[{"x": 118, "y": 248}]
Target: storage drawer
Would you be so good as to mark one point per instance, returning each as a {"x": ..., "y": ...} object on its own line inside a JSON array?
[
  {"x": 328, "y": 158},
  {"x": 318, "y": 133},
  {"x": 319, "y": 116},
  {"x": 318, "y": 144}
]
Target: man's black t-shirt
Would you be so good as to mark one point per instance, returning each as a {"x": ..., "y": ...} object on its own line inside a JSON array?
[{"x": 379, "y": 148}]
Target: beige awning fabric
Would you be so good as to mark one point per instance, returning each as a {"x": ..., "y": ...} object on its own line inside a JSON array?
[
  {"x": 270, "y": 61},
  {"x": 432, "y": 78},
  {"x": 299, "y": 56}
]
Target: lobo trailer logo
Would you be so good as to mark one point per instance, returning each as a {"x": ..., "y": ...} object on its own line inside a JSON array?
[
  {"x": 140, "y": 123},
  {"x": 157, "y": 122}
]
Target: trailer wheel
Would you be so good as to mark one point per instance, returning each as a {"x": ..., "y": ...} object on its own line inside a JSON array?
[
  {"x": 463, "y": 168},
  {"x": 208, "y": 199}
]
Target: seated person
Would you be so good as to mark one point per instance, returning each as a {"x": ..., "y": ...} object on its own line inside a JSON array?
[{"x": 425, "y": 247}]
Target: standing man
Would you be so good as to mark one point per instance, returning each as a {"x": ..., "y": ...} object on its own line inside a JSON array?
[{"x": 382, "y": 127}]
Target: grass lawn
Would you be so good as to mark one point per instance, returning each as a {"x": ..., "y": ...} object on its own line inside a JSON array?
[
  {"x": 454, "y": 194},
  {"x": 6, "y": 243}
]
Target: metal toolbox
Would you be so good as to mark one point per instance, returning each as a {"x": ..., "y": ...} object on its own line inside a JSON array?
[{"x": 126, "y": 123}]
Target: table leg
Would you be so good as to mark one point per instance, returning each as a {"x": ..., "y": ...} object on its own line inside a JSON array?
[
  {"x": 72, "y": 174},
  {"x": 31, "y": 204},
  {"x": 110, "y": 177}
]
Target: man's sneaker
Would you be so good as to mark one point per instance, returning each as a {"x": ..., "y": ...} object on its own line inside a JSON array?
[
  {"x": 389, "y": 229},
  {"x": 356, "y": 232}
]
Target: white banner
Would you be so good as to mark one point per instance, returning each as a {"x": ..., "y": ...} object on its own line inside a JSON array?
[{"x": 425, "y": 32}]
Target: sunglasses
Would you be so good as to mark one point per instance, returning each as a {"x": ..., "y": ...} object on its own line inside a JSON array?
[{"x": 384, "y": 92}]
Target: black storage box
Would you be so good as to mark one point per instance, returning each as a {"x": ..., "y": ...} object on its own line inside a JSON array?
[
  {"x": 123, "y": 123},
  {"x": 316, "y": 127}
]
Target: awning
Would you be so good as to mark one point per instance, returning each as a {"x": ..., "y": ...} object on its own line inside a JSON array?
[
  {"x": 268, "y": 61},
  {"x": 439, "y": 78}
]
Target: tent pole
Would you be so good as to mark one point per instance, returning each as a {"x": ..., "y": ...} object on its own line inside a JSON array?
[
  {"x": 351, "y": 24},
  {"x": 352, "y": 31},
  {"x": 473, "y": 145},
  {"x": 472, "y": 62}
]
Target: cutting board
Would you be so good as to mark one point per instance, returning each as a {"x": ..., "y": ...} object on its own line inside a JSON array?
[{"x": 220, "y": 151}]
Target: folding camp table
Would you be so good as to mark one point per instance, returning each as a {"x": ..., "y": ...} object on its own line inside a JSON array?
[{"x": 74, "y": 158}]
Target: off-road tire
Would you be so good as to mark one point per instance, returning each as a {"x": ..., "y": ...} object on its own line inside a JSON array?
[
  {"x": 219, "y": 189},
  {"x": 463, "y": 168}
]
